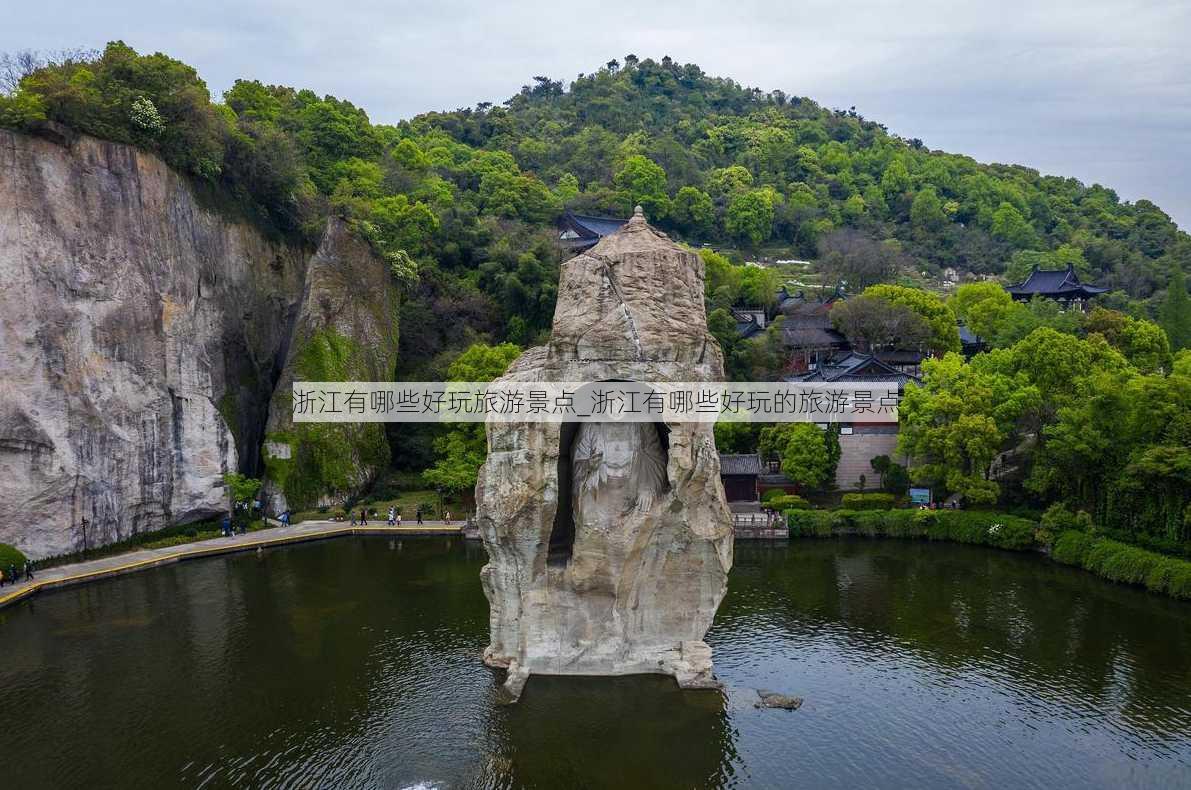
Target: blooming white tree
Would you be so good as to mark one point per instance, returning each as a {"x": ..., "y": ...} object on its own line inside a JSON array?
[{"x": 144, "y": 116}]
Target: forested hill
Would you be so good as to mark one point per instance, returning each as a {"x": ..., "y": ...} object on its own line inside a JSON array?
[
  {"x": 466, "y": 199},
  {"x": 715, "y": 161}
]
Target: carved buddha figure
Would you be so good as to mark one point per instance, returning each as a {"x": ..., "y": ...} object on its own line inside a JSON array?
[{"x": 618, "y": 468}]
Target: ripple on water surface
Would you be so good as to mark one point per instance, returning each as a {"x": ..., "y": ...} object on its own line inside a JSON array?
[{"x": 355, "y": 663}]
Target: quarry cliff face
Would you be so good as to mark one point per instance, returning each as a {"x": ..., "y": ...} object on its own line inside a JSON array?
[
  {"x": 141, "y": 338},
  {"x": 346, "y": 329}
]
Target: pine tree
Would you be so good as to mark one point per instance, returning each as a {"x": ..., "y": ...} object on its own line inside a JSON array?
[{"x": 1175, "y": 315}]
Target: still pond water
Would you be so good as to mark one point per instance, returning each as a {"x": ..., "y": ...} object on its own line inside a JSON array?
[{"x": 354, "y": 663}]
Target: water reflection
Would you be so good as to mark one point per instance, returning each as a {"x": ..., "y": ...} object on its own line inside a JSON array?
[
  {"x": 355, "y": 663},
  {"x": 609, "y": 732}
]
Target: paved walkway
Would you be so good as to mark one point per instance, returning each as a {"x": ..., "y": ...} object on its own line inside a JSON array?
[{"x": 142, "y": 559}]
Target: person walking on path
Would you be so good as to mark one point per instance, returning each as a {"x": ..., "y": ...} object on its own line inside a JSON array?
[
  {"x": 398, "y": 521},
  {"x": 446, "y": 516},
  {"x": 29, "y": 570},
  {"x": 419, "y": 514},
  {"x": 392, "y": 515},
  {"x": 363, "y": 517},
  {"x": 3, "y": 578},
  {"x": 12, "y": 573}
]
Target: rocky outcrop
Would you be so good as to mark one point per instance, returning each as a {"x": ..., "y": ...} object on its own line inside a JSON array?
[
  {"x": 771, "y": 699},
  {"x": 347, "y": 330},
  {"x": 609, "y": 547},
  {"x": 141, "y": 336}
]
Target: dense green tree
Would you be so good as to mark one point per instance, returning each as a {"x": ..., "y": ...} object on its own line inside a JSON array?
[
  {"x": 804, "y": 453},
  {"x": 21, "y": 109},
  {"x": 737, "y": 437},
  {"x": 895, "y": 180},
  {"x": 874, "y": 324},
  {"x": 1176, "y": 312},
  {"x": 1143, "y": 343},
  {"x": 932, "y": 309},
  {"x": 749, "y": 218},
  {"x": 1123, "y": 453},
  {"x": 640, "y": 181},
  {"x": 1056, "y": 363},
  {"x": 758, "y": 286},
  {"x": 965, "y": 414},
  {"x": 694, "y": 212},
  {"x": 1181, "y": 366},
  {"x": 983, "y": 307},
  {"x": 722, "y": 326},
  {"x": 721, "y": 279},
  {"x": 240, "y": 488},
  {"x": 462, "y": 447},
  {"x": 955, "y": 424},
  {"x": 1009, "y": 225},
  {"x": 567, "y": 189},
  {"x": 403, "y": 224},
  {"x": 926, "y": 213},
  {"x": 727, "y": 182}
]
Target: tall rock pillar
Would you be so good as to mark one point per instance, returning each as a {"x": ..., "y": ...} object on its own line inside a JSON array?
[{"x": 609, "y": 544}]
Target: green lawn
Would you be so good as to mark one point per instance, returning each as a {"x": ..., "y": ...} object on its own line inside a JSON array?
[{"x": 403, "y": 490}]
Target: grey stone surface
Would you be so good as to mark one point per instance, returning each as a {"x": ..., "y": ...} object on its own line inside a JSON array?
[
  {"x": 635, "y": 588},
  {"x": 141, "y": 336}
]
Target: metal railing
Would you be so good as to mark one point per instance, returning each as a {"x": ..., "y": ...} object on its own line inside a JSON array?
[{"x": 757, "y": 520}]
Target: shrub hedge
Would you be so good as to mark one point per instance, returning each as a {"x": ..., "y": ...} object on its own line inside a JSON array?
[
  {"x": 10, "y": 555},
  {"x": 1121, "y": 562},
  {"x": 786, "y": 502},
  {"x": 771, "y": 494},
  {"x": 1107, "y": 558},
  {"x": 963, "y": 526},
  {"x": 874, "y": 501}
]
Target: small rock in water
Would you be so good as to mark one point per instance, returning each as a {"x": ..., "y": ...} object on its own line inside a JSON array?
[{"x": 771, "y": 699}]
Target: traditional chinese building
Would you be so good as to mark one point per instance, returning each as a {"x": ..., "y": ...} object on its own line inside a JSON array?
[
  {"x": 748, "y": 322},
  {"x": 578, "y": 232},
  {"x": 970, "y": 343},
  {"x": 1062, "y": 285},
  {"x": 739, "y": 473},
  {"x": 866, "y": 367},
  {"x": 807, "y": 332},
  {"x": 860, "y": 441}
]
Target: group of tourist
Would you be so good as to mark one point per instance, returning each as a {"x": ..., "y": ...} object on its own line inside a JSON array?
[
  {"x": 228, "y": 528},
  {"x": 951, "y": 504},
  {"x": 394, "y": 516},
  {"x": 11, "y": 575}
]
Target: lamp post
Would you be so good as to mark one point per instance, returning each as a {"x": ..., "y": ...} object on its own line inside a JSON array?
[{"x": 438, "y": 490}]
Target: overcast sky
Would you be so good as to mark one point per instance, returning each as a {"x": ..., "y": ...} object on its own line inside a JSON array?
[{"x": 1092, "y": 89}]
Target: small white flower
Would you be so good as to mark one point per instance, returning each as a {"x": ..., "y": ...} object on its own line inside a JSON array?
[{"x": 144, "y": 114}]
